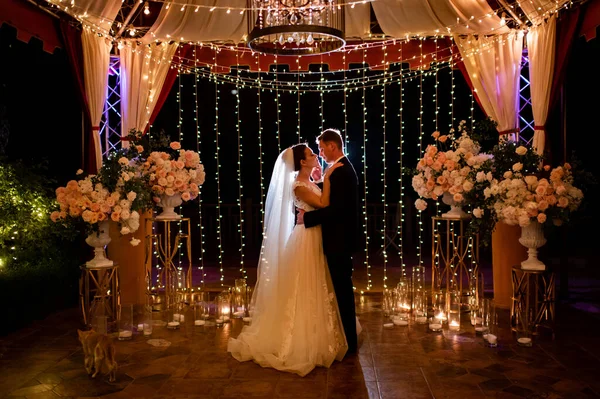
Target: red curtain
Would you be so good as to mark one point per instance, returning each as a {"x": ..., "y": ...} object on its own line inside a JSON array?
[
  {"x": 567, "y": 28},
  {"x": 71, "y": 38},
  {"x": 183, "y": 52}
]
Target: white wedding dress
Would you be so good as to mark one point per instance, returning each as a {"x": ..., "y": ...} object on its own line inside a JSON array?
[{"x": 299, "y": 326}]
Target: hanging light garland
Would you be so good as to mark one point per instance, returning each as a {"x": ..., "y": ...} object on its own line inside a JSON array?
[
  {"x": 239, "y": 170},
  {"x": 217, "y": 176},
  {"x": 400, "y": 231},
  {"x": 383, "y": 181},
  {"x": 198, "y": 149},
  {"x": 366, "y": 190}
]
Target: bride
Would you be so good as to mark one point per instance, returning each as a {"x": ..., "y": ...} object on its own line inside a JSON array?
[{"x": 296, "y": 324}]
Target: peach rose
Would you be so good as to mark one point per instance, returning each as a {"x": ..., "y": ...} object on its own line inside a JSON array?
[
  {"x": 175, "y": 145},
  {"x": 541, "y": 218}
]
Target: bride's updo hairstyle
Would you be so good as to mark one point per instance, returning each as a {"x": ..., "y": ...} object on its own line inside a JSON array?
[{"x": 299, "y": 151}]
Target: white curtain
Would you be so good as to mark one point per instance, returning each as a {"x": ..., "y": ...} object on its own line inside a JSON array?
[
  {"x": 144, "y": 69},
  {"x": 97, "y": 14},
  {"x": 541, "y": 41},
  {"x": 201, "y": 24},
  {"x": 358, "y": 20},
  {"x": 494, "y": 64},
  {"x": 538, "y": 10},
  {"x": 96, "y": 59},
  {"x": 431, "y": 17}
]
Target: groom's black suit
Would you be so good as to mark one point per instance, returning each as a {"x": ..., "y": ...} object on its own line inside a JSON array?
[{"x": 339, "y": 223}]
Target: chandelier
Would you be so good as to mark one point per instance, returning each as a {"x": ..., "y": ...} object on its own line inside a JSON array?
[{"x": 295, "y": 27}]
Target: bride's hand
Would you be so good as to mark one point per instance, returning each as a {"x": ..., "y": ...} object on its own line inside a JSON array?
[{"x": 330, "y": 170}]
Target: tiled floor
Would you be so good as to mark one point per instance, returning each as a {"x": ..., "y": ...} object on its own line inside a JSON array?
[{"x": 45, "y": 361}]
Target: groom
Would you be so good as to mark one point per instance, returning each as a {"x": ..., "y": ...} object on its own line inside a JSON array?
[{"x": 339, "y": 223}]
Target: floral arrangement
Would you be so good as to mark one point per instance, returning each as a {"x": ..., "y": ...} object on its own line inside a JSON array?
[
  {"x": 119, "y": 192},
  {"x": 521, "y": 198},
  {"x": 176, "y": 171},
  {"x": 130, "y": 181},
  {"x": 448, "y": 167}
]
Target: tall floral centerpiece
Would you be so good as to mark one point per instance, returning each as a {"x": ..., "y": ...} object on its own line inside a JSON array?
[
  {"x": 174, "y": 176},
  {"x": 531, "y": 198},
  {"x": 118, "y": 193},
  {"x": 448, "y": 170}
]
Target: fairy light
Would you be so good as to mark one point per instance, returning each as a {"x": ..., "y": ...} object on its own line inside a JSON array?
[
  {"x": 239, "y": 168},
  {"x": 345, "y": 132},
  {"x": 366, "y": 191},
  {"x": 298, "y": 103},
  {"x": 452, "y": 120},
  {"x": 401, "y": 175},
  {"x": 420, "y": 145},
  {"x": 260, "y": 142},
  {"x": 278, "y": 122},
  {"x": 217, "y": 176},
  {"x": 198, "y": 149},
  {"x": 437, "y": 202},
  {"x": 383, "y": 196},
  {"x": 180, "y": 138},
  {"x": 320, "y": 87}
]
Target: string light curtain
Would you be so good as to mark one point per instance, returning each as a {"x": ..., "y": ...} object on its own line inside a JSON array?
[
  {"x": 494, "y": 66},
  {"x": 429, "y": 17},
  {"x": 96, "y": 58},
  {"x": 541, "y": 41},
  {"x": 144, "y": 69}
]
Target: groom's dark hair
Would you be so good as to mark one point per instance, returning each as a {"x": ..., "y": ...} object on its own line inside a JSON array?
[{"x": 332, "y": 136}]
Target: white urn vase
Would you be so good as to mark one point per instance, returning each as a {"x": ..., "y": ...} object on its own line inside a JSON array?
[
  {"x": 532, "y": 237},
  {"x": 99, "y": 241},
  {"x": 455, "y": 211},
  {"x": 168, "y": 203}
]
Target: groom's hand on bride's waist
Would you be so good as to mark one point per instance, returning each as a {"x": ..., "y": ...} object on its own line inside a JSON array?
[{"x": 300, "y": 217}]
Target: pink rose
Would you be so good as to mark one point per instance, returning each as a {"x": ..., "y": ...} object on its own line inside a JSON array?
[{"x": 54, "y": 216}]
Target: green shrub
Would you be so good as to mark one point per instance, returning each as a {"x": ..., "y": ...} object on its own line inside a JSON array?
[{"x": 38, "y": 258}]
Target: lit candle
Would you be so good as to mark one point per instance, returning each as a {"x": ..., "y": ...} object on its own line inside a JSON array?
[
  {"x": 421, "y": 319},
  {"x": 524, "y": 341},
  {"x": 140, "y": 327},
  {"x": 400, "y": 322},
  {"x": 238, "y": 313},
  {"x": 492, "y": 339},
  {"x": 199, "y": 322},
  {"x": 454, "y": 325},
  {"x": 435, "y": 326},
  {"x": 178, "y": 317},
  {"x": 173, "y": 324},
  {"x": 388, "y": 325},
  {"x": 124, "y": 334},
  {"x": 219, "y": 321},
  {"x": 247, "y": 319}
]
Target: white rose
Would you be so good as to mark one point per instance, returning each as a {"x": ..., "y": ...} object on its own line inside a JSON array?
[
  {"x": 134, "y": 242},
  {"x": 478, "y": 212},
  {"x": 125, "y": 230}
]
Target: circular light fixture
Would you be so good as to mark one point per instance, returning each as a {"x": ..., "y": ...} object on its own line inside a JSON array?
[{"x": 295, "y": 27}]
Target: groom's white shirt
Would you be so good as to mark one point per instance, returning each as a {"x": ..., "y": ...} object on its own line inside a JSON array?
[{"x": 338, "y": 160}]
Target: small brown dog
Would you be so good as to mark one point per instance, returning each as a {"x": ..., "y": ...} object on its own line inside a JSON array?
[{"x": 99, "y": 353}]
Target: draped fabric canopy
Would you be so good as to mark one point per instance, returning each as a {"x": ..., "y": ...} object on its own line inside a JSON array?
[
  {"x": 397, "y": 19},
  {"x": 143, "y": 72},
  {"x": 493, "y": 65}
]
